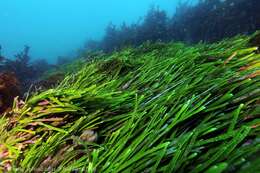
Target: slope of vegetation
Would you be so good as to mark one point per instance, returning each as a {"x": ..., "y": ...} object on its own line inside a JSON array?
[{"x": 157, "y": 108}]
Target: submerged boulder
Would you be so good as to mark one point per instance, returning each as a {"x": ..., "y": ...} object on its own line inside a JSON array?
[
  {"x": 255, "y": 41},
  {"x": 9, "y": 89}
]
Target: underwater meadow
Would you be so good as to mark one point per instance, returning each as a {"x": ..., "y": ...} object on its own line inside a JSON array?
[{"x": 171, "y": 92}]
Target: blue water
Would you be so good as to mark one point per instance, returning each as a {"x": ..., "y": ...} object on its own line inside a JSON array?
[{"x": 55, "y": 28}]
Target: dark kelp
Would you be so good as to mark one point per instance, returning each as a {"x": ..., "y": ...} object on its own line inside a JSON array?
[{"x": 206, "y": 21}]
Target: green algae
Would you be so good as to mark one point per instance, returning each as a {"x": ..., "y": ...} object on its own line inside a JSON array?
[{"x": 157, "y": 108}]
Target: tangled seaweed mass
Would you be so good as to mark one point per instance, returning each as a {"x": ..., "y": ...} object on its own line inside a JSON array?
[{"x": 162, "y": 107}]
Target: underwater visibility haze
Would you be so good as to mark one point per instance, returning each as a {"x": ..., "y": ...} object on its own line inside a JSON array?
[
  {"x": 58, "y": 28},
  {"x": 130, "y": 86}
]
